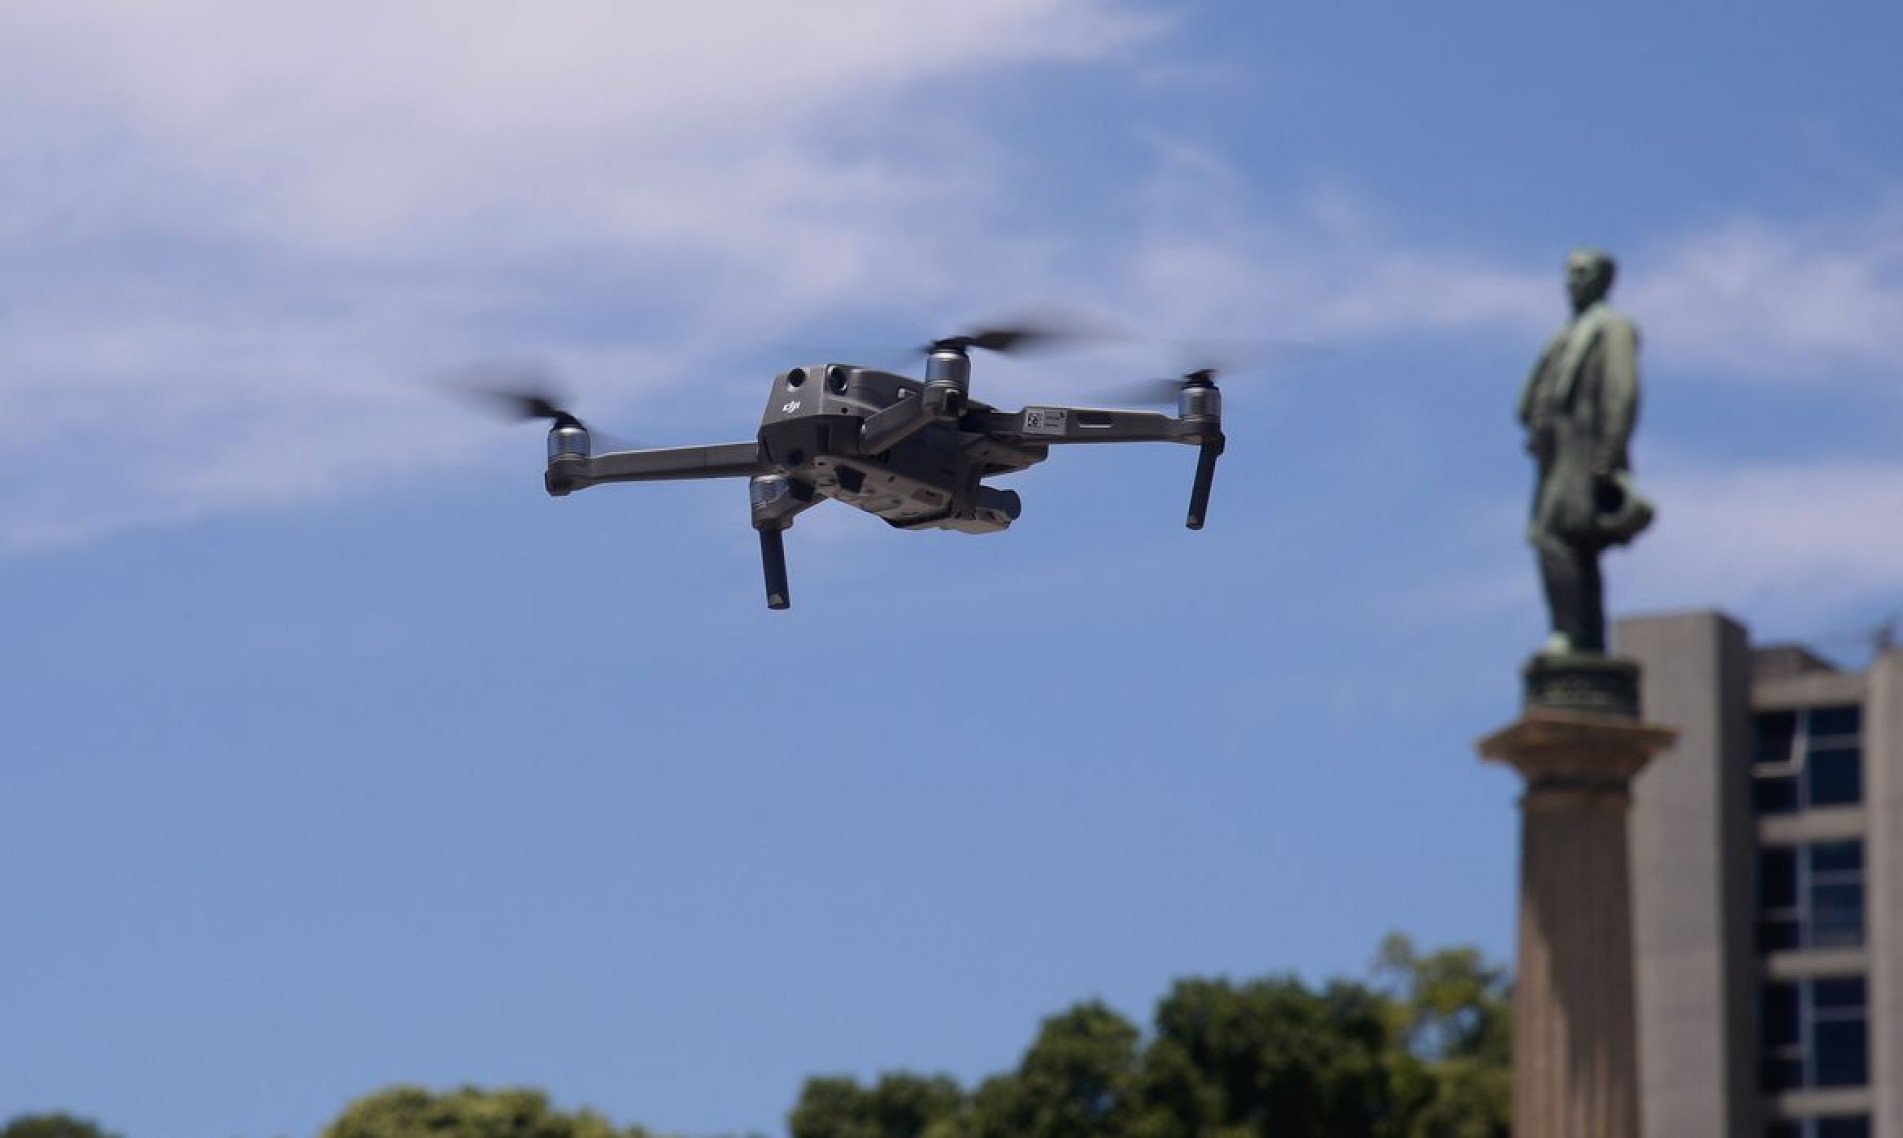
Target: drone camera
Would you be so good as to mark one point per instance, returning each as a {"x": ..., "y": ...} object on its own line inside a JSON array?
[{"x": 1003, "y": 505}]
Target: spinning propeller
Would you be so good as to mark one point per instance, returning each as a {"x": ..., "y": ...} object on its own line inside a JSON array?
[
  {"x": 1050, "y": 331},
  {"x": 1210, "y": 359},
  {"x": 527, "y": 405},
  {"x": 523, "y": 391},
  {"x": 1004, "y": 341},
  {"x": 1162, "y": 391}
]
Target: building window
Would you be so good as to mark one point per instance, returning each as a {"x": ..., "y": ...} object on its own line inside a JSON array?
[
  {"x": 1816, "y": 1033},
  {"x": 1836, "y": 1126},
  {"x": 1810, "y": 896},
  {"x": 1809, "y": 757}
]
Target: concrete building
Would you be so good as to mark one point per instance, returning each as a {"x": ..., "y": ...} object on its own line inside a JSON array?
[{"x": 1767, "y": 868}]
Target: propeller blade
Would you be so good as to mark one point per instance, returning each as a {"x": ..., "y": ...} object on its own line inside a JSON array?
[
  {"x": 515, "y": 389},
  {"x": 523, "y": 391},
  {"x": 1232, "y": 355},
  {"x": 1049, "y": 330},
  {"x": 1212, "y": 359},
  {"x": 1009, "y": 341},
  {"x": 1145, "y": 391},
  {"x": 1157, "y": 391}
]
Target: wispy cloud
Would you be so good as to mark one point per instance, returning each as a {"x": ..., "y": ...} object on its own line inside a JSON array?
[
  {"x": 1795, "y": 536},
  {"x": 362, "y": 125},
  {"x": 1807, "y": 541},
  {"x": 1210, "y": 253},
  {"x": 247, "y": 230},
  {"x": 261, "y": 224},
  {"x": 1742, "y": 297},
  {"x": 1756, "y": 298}
]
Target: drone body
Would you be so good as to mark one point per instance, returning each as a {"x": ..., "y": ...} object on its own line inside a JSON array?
[{"x": 915, "y": 453}]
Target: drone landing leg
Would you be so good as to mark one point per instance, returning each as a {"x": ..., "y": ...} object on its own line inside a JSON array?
[
  {"x": 773, "y": 559},
  {"x": 1205, "y": 478},
  {"x": 776, "y": 501}
]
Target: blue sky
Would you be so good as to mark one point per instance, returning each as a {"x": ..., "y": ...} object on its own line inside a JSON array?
[{"x": 333, "y": 753}]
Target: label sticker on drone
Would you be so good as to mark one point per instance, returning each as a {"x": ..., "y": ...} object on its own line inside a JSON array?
[{"x": 1046, "y": 420}]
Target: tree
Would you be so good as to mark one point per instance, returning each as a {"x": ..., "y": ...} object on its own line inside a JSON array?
[
  {"x": 52, "y": 1126},
  {"x": 1421, "y": 1052},
  {"x": 1079, "y": 1079},
  {"x": 898, "y": 1106},
  {"x": 469, "y": 1112},
  {"x": 1453, "y": 1015},
  {"x": 1270, "y": 1057}
]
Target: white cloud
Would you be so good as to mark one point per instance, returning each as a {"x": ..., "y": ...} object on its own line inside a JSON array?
[
  {"x": 1801, "y": 543},
  {"x": 1801, "y": 539},
  {"x": 1755, "y": 298},
  {"x": 1747, "y": 297},
  {"x": 248, "y": 229},
  {"x": 262, "y": 223},
  {"x": 360, "y": 125},
  {"x": 1795, "y": 542},
  {"x": 1213, "y": 258}
]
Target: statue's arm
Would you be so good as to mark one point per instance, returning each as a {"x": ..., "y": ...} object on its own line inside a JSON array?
[
  {"x": 1527, "y": 390},
  {"x": 1619, "y": 392},
  {"x": 1524, "y": 409}
]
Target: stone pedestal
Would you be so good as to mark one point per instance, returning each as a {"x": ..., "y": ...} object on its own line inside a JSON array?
[{"x": 1575, "y": 1042}]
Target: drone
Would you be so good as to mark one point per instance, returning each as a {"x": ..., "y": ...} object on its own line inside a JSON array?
[{"x": 915, "y": 453}]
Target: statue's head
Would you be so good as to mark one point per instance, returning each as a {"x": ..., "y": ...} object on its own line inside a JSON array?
[{"x": 1589, "y": 275}]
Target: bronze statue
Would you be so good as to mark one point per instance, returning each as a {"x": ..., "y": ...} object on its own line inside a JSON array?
[{"x": 1579, "y": 407}]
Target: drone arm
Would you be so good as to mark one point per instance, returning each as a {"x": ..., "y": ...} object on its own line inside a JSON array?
[
  {"x": 568, "y": 472},
  {"x": 895, "y": 424},
  {"x": 1051, "y": 425},
  {"x": 1045, "y": 426}
]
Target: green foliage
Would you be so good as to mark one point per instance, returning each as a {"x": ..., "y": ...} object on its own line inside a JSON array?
[
  {"x": 1453, "y": 1004},
  {"x": 52, "y": 1126},
  {"x": 1080, "y": 1079},
  {"x": 1466, "y": 1098},
  {"x": 1423, "y": 1051},
  {"x": 470, "y": 1112},
  {"x": 1271, "y": 1056},
  {"x": 1452, "y": 1014},
  {"x": 898, "y": 1106}
]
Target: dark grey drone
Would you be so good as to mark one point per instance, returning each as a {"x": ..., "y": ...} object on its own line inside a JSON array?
[{"x": 915, "y": 453}]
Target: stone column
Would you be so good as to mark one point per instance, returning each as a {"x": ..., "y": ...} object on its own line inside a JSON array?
[{"x": 1578, "y": 743}]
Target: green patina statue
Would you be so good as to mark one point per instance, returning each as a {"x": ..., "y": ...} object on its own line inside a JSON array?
[{"x": 1579, "y": 407}]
